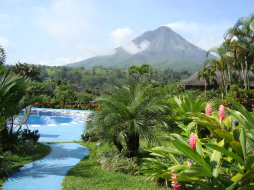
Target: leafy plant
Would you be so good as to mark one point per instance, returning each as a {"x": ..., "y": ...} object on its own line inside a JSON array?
[
  {"x": 27, "y": 134},
  {"x": 222, "y": 162}
]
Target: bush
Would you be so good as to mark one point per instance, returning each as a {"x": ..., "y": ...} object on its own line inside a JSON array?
[{"x": 27, "y": 134}]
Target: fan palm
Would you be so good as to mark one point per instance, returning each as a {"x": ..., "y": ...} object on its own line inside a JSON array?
[
  {"x": 140, "y": 70},
  {"x": 129, "y": 114}
]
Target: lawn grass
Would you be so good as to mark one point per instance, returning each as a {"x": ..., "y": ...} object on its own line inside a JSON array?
[
  {"x": 88, "y": 174},
  {"x": 11, "y": 161}
]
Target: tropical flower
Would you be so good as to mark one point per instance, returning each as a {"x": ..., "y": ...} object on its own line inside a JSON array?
[
  {"x": 221, "y": 113},
  {"x": 208, "y": 109},
  {"x": 189, "y": 164},
  {"x": 192, "y": 141},
  {"x": 175, "y": 184}
]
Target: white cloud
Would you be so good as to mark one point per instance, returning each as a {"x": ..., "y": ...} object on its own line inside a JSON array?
[
  {"x": 65, "y": 54},
  {"x": 123, "y": 37},
  {"x": 66, "y": 19},
  {"x": 4, "y": 42},
  {"x": 202, "y": 35}
]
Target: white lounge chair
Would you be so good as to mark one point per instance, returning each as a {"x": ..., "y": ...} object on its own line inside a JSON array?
[{"x": 25, "y": 117}]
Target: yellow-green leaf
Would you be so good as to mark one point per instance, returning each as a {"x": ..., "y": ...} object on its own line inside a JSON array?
[
  {"x": 237, "y": 148},
  {"x": 189, "y": 152},
  {"x": 225, "y": 151},
  {"x": 225, "y": 135}
]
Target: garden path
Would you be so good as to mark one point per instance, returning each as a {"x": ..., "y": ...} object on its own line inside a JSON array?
[{"x": 49, "y": 172}]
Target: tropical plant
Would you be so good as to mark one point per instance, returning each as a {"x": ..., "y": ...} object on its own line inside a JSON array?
[
  {"x": 129, "y": 114},
  {"x": 225, "y": 163},
  {"x": 242, "y": 34},
  {"x": 140, "y": 70}
]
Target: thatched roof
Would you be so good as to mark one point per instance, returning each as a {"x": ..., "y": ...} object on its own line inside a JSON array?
[{"x": 193, "y": 81}]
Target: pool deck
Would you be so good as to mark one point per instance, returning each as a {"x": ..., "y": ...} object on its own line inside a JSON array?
[{"x": 49, "y": 172}]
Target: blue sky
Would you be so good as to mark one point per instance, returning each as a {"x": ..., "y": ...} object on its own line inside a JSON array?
[{"x": 58, "y": 32}]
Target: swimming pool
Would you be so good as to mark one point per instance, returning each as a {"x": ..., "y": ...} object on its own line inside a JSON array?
[{"x": 50, "y": 117}]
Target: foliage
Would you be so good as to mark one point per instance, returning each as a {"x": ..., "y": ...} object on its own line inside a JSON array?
[
  {"x": 243, "y": 96},
  {"x": 27, "y": 134},
  {"x": 27, "y": 152},
  {"x": 225, "y": 163},
  {"x": 129, "y": 114},
  {"x": 89, "y": 172},
  {"x": 140, "y": 70}
]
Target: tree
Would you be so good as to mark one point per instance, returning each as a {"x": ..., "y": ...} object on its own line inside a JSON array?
[
  {"x": 243, "y": 34},
  {"x": 129, "y": 114},
  {"x": 140, "y": 70},
  {"x": 2, "y": 56},
  {"x": 26, "y": 70}
]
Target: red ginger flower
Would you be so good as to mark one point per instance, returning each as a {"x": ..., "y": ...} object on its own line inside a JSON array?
[
  {"x": 221, "y": 113},
  {"x": 192, "y": 141},
  {"x": 175, "y": 184},
  {"x": 208, "y": 109}
]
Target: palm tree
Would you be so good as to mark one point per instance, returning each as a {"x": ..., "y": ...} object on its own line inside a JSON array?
[
  {"x": 223, "y": 62},
  {"x": 207, "y": 72},
  {"x": 26, "y": 70},
  {"x": 243, "y": 34},
  {"x": 129, "y": 114},
  {"x": 140, "y": 70}
]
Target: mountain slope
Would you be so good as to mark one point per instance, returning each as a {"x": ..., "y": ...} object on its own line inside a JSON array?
[{"x": 166, "y": 49}]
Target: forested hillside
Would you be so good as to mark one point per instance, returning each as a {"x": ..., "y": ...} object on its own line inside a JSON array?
[{"x": 104, "y": 78}]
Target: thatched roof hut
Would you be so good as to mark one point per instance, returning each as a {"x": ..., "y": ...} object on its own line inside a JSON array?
[{"x": 193, "y": 83}]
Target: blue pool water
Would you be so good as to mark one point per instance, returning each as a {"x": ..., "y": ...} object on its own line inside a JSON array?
[{"x": 51, "y": 117}]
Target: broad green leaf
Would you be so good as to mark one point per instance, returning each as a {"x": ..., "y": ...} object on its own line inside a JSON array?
[
  {"x": 228, "y": 122},
  {"x": 225, "y": 181},
  {"x": 225, "y": 151},
  {"x": 242, "y": 119},
  {"x": 199, "y": 148},
  {"x": 195, "y": 171},
  {"x": 168, "y": 150},
  {"x": 191, "y": 125},
  {"x": 251, "y": 141},
  {"x": 224, "y": 135},
  {"x": 180, "y": 137},
  {"x": 237, "y": 148},
  {"x": 243, "y": 141},
  {"x": 236, "y": 179},
  {"x": 197, "y": 181},
  {"x": 203, "y": 188},
  {"x": 158, "y": 155},
  {"x": 189, "y": 152},
  {"x": 248, "y": 174},
  {"x": 152, "y": 171},
  {"x": 242, "y": 110},
  {"x": 215, "y": 161},
  {"x": 183, "y": 127},
  {"x": 174, "y": 159},
  {"x": 155, "y": 161},
  {"x": 209, "y": 125},
  {"x": 178, "y": 167},
  {"x": 249, "y": 161}
]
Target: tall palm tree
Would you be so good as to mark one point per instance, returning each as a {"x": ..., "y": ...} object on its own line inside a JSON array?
[
  {"x": 244, "y": 35},
  {"x": 140, "y": 70},
  {"x": 207, "y": 72},
  {"x": 223, "y": 62},
  {"x": 129, "y": 114}
]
